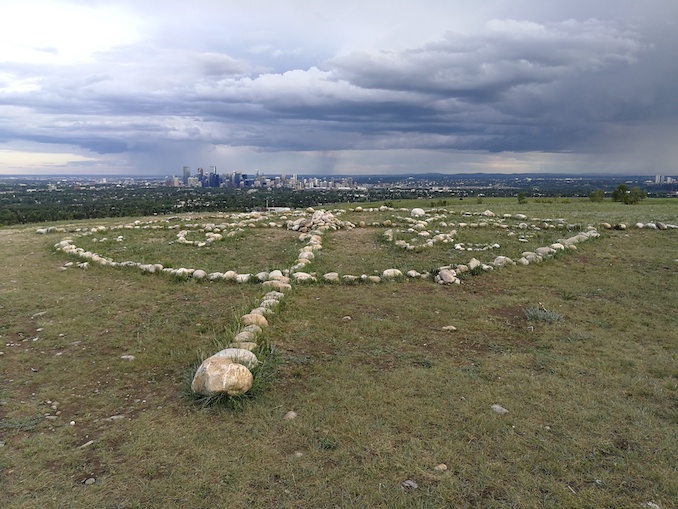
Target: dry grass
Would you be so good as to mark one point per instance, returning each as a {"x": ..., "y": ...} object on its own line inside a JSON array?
[{"x": 384, "y": 397}]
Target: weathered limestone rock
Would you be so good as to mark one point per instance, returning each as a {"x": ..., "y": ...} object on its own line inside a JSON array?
[
  {"x": 416, "y": 212},
  {"x": 218, "y": 375},
  {"x": 243, "y": 278},
  {"x": 501, "y": 261},
  {"x": 254, "y": 319},
  {"x": 332, "y": 277},
  {"x": 302, "y": 276},
  {"x": 262, "y": 311},
  {"x": 275, "y": 274},
  {"x": 238, "y": 355},
  {"x": 269, "y": 303},
  {"x": 254, "y": 329},
  {"x": 273, "y": 295},
  {"x": 447, "y": 276},
  {"x": 245, "y": 345},
  {"x": 413, "y": 273},
  {"x": 531, "y": 257},
  {"x": 277, "y": 285},
  {"x": 474, "y": 263},
  {"x": 199, "y": 274},
  {"x": 544, "y": 251},
  {"x": 392, "y": 274},
  {"x": 244, "y": 336}
]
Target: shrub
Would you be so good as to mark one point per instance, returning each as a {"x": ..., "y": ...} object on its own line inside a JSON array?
[{"x": 540, "y": 314}]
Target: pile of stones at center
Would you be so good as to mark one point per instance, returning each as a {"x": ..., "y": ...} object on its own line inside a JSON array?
[{"x": 229, "y": 371}]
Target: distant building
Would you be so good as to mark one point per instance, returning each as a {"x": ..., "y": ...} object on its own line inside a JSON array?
[{"x": 187, "y": 173}]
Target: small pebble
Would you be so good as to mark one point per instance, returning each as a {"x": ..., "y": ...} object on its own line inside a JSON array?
[
  {"x": 90, "y": 481},
  {"x": 440, "y": 468},
  {"x": 409, "y": 484},
  {"x": 499, "y": 409},
  {"x": 290, "y": 415},
  {"x": 72, "y": 423},
  {"x": 346, "y": 319},
  {"x": 127, "y": 357},
  {"x": 450, "y": 328}
]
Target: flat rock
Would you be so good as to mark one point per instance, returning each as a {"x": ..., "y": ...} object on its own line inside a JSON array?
[
  {"x": 499, "y": 409},
  {"x": 276, "y": 285}
]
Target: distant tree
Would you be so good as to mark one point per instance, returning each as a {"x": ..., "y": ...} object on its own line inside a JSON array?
[
  {"x": 521, "y": 198},
  {"x": 620, "y": 193},
  {"x": 596, "y": 195},
  {"x": 635, "y": 195},
  {"x": 628, "y": 197}
]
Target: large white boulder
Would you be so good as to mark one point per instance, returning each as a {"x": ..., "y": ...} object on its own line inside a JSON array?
[
  {"x": 218, "y": 375},
  {"x": 417, "y": 212}
]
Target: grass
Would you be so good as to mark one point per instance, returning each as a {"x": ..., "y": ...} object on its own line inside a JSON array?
[{"x": 381, "y": 398}]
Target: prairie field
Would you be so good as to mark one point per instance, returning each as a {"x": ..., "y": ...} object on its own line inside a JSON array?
[{"x": 557, "y": 386}]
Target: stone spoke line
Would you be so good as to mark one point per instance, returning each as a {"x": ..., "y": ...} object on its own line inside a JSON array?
[{"x": 229, "y": 371}]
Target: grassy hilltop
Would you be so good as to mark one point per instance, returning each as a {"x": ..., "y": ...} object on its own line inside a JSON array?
[{"x": 385, "y": 398}]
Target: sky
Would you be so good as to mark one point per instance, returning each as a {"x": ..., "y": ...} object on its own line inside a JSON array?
[{"x": 339, "y": 86}]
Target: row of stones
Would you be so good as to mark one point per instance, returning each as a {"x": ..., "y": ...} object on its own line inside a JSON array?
[
  {"x": 229, "y": 371},
  {"x": 319, "y": 222}
]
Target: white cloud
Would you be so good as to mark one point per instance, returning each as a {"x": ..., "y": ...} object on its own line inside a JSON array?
[
  {"x": 59, "y": 33},
  {"x": 348, "y": 84}
]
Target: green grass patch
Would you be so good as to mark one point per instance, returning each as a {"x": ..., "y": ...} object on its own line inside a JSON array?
[{"x": 381, "y": 398}]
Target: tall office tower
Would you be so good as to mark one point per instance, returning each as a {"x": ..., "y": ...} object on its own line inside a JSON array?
[{"x": 187, "y": 173}]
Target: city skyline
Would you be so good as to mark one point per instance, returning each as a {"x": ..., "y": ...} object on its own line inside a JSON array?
[{"x": 123, "y": 87}]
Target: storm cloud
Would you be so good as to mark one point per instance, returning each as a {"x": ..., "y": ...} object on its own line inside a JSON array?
[{"x": 288, "y": 87}]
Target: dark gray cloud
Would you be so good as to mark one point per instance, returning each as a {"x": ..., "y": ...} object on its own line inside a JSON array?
[{"x": 573, "y": 82}]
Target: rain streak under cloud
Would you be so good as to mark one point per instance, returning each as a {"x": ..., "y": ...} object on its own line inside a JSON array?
[{"x": 339, "y": 87}]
